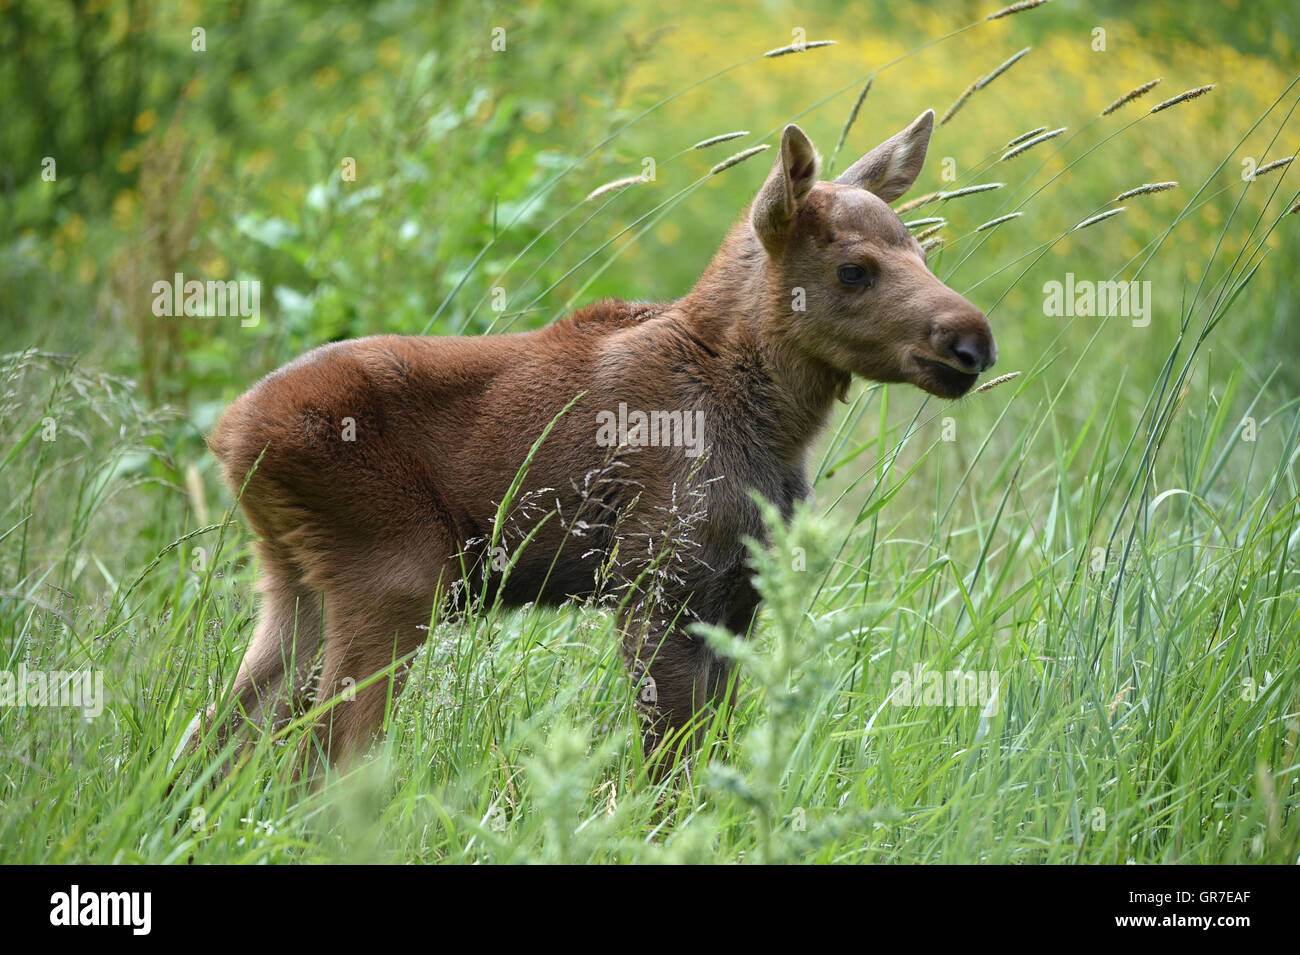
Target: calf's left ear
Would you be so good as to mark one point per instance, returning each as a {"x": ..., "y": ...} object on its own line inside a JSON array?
[
  {"x": 792, "y": 177},
  {"x": 890, "y": 169}
]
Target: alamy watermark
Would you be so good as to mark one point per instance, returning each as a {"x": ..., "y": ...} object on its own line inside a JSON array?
[
  {"x": 651, "y": 429},
  {"x": 130, "y": 909},
  {"x": 83, "y": 689},
  {"x": 178, "y": 297},
  {"x": 1084, "y": 297},
  {"x": 921, "y": 686}
]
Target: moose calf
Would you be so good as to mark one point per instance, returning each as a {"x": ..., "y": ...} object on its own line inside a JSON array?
[{"x": 375, "y": 468}]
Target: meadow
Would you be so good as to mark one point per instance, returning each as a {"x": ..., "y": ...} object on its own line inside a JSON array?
[{"x": 1102, "y": 548}]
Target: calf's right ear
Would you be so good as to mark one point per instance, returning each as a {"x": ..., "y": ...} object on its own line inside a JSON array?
[
  {"x": 792, "y": 177},
  {"x": 890, "y": 169}
]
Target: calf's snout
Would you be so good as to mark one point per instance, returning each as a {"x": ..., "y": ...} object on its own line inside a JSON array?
[{"x": 963, "y": 338}]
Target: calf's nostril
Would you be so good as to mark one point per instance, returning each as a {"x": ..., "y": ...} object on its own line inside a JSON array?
[
  {"x": 973, "y": 354},
  {"x": 963, "y": 339},
  {"x": 966, "y": 354}
]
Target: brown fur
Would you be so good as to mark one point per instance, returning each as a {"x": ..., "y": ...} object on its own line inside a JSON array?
[{"x": 357, "y": 538}]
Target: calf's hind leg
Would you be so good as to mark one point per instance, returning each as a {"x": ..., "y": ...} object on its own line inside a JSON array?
[
  {"x": 364, "y": 635},
  {"x": 274, "y": 675},
  {"x": 672, "y": 672}
]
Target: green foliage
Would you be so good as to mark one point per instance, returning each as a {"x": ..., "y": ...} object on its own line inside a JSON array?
[{"x": 1112, "y": 533}]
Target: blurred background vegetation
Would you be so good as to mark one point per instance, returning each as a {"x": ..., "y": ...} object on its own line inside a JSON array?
[
  {"x": 211, "y": 139},
  {"x": 472, "y": 163}
]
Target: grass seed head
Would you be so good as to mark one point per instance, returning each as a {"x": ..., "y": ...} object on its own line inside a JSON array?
[
  {"x": 1101, "y": 217},
  {"x": 982, "y": 82},
  {"x": 1029, "y": 144},
  {"x": 853, "y": 117},
  {"x": 1275, "y": 164},
  {"x": 970, "y": 190},
  {"x": 1182, "y": 98},
  {"x": 1146, "y": 189},
  {"x": 1015, "y": 8},
  {"x": 998, "y": 221},
  {"x": 723, "y": 138},
  {"x": 614, "y": 186},
  {"x": 737, "y": 159},
  {"x": 999, "y": 380},
  {"x": 1133, "y": 94},
  {"x": 1029, "y": 135},
  {"x": 1006, "y": 65},
  {"x": 797, "y": 48},
  {"x": 919, "y": 201},
  {"x": 959, "y": 102}
]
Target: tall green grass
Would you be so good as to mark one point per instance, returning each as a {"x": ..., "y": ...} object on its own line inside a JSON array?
[{"x": 1123, "y": 559}]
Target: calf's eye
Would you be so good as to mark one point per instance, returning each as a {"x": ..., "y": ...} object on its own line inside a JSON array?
[{"x": 854, "y": 276}]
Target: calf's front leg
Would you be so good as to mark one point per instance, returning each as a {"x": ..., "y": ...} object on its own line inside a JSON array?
[{"x": 676, "y": 675}]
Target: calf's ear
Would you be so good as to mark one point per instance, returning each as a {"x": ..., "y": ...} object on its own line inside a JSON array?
[
  {"x": 792, "y": 177},
  {"x": 890, "y": 169}
]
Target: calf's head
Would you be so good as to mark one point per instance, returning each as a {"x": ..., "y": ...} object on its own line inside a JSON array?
[{"x": 871, "y": 307}]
